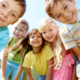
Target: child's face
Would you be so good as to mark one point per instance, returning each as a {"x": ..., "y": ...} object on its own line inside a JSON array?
[
  {"x": 10, "y": 11},
  {"x": 19, "y": 31},
  {"x": 65, "y": 12},
  {"x": 35, "y": 40},
  {"x": 50, "y": 32}
]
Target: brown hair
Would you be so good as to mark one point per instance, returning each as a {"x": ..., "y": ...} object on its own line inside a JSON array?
[
  {"x": 22, "y": 44},
  {"x": 22, "y": 3},
  {"x": 49, "y": 5},
  {"x": 25, "y": 23}
]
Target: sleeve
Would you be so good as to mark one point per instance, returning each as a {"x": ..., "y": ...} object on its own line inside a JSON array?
[
  {"x": 26, "y": 62},
  {"x": 4, "y": 38},
  {"x": 67, "y": 38},
  {"x": 49, "y": 52}
]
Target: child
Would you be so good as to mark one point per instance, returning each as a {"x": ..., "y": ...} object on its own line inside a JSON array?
[
  {"x": 10, "y": 11},
  {"x": 65, "y": 12},
  {"x": 63, "y": 61},
  {"x": 39, "y": 56},
  {"x": 14, "y": 58}
]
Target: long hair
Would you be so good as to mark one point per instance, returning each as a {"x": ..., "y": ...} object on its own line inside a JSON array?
[
  {"x": 58, "y": 53},
  {"x": 58, "y": 44},
  {"x": 22, "y": 44}
]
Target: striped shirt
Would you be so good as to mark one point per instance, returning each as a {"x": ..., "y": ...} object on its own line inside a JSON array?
[{"x": 70, "y": 34}]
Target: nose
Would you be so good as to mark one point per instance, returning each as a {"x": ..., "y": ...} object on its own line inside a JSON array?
[
  {"x": 5, "y": 13},
  {"x": 17, "y": 31},
  {"x": 48, "y": 34},
  {"x": 65, "y": 14}
]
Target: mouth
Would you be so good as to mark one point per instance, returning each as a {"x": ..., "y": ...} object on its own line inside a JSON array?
[
  {"x": 50, "y": 37},
  {"x": 36, "y": 42},
  {"x": 16, "y": 35},
  {"x": 1, "y": 20},
  {"x": 71, "y": 16}
]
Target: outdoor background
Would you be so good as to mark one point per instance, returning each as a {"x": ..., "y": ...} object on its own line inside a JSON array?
[{"x": 34, "y": 13}]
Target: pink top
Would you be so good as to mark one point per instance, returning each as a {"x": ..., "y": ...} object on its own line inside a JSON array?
[{"x": 65, "y": 72}]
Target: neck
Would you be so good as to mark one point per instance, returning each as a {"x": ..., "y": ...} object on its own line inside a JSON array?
[
  {"x": 16, "y": 40},
  {"x": 37, "y": 50}
]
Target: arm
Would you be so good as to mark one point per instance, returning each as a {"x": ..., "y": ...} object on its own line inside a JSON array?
[
  {"x": 28, "y": 74},
  {"x": 4, "y": 63},
  {"x": 19, "y": 72},
  {"x": 76, "y": 50},
  {"x": 50, "y": 69},
  {"x": 74, "y": 77}
]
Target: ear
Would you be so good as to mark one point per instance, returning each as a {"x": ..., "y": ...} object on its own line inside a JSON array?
[
  {"x": 57, "y": 28},
  {"x": 74, "y": 2},
  {"x": 14, "y": 22}
]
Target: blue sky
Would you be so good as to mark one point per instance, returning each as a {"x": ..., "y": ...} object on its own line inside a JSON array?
[{"x": 35, "y": 12}]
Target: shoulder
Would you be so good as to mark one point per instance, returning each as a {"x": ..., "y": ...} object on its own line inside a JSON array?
[
  {"x": 46, "y": 47},
  {"x": 29, "y": 54},
  {"x": 64, "y": 31}
]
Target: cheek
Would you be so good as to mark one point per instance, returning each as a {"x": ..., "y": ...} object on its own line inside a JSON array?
[{"x": 44, "y": 36}]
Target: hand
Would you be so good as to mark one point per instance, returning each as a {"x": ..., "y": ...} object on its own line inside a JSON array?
[
  {"x": 16, "y": 79},
  {"x": 5, "y": 51},
  {"x": 3, "y": 78}
]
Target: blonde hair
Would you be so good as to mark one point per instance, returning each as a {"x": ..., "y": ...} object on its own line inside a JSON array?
[
  {"x": 58, "y": 45},
  {"x": 49, "y": 5}
]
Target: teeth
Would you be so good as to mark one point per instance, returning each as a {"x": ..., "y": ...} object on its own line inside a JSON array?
[{"x": 70, "y": 17}]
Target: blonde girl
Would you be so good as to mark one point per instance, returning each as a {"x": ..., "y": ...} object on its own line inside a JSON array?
[
  {"x": 63, "y": 61},
  {"x": 14, "y": 57}
]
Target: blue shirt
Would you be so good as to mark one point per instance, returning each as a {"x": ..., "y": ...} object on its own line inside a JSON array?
[{"x": 4, "y": 37}]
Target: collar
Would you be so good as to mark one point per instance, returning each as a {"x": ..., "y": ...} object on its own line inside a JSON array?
[{"x": 69, "y": 26}]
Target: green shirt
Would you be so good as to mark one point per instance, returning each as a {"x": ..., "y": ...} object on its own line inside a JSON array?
[{"x": 18, "y": 57}]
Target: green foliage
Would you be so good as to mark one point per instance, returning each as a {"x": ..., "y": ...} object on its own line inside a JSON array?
[{"x": 34, "y": 75}]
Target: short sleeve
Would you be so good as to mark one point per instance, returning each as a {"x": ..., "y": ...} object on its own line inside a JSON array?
[
  {"x": 4, "y": 37},
  {"x": 49, "y": 52},
  {"x": 67, "y": 38},
  {"x": 26, "y": 62}
]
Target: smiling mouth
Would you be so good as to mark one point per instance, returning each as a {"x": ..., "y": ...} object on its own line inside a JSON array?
[
  {"x": 50, "y": 37},
  {"x": 1, "y": 20},
  {"x": 70, "y": 17},
  {"x": 36, "y": 42}
]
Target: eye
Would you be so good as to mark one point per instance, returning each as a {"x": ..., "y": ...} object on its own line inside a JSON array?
[
  {"x": 50, "y": 30},
  {"x": 65, "y": 7},
  {"x": 21, "y": 30},
  {"x": 43, "y": 32},
  {"x": 39, "y": 36},
  {"x": 58, "y": 16},
  {"x": 15, "y": 28},
  {"x": 32, "y": 37},
  {"x": 12, "y": 14},
  {"x": 3, "y": 5}
]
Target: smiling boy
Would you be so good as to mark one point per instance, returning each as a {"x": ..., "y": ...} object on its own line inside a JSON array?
[
  {"x": 65, "y": 12},
  {"x": 10, "y": 12}
]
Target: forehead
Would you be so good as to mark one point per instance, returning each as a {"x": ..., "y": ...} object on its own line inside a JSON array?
[
  {"x": 49, "y": 26},
  {"x": 20, "y": 25},
  {"x": 13, "y": 6},
  {"x": 34, "y": 33},
  {"x": 58, "y": 6}
]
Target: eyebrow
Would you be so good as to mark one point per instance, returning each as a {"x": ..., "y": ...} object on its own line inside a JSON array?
[
  {"x": 61, "y": 8},
  {"x": 8, "y": 5}
]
